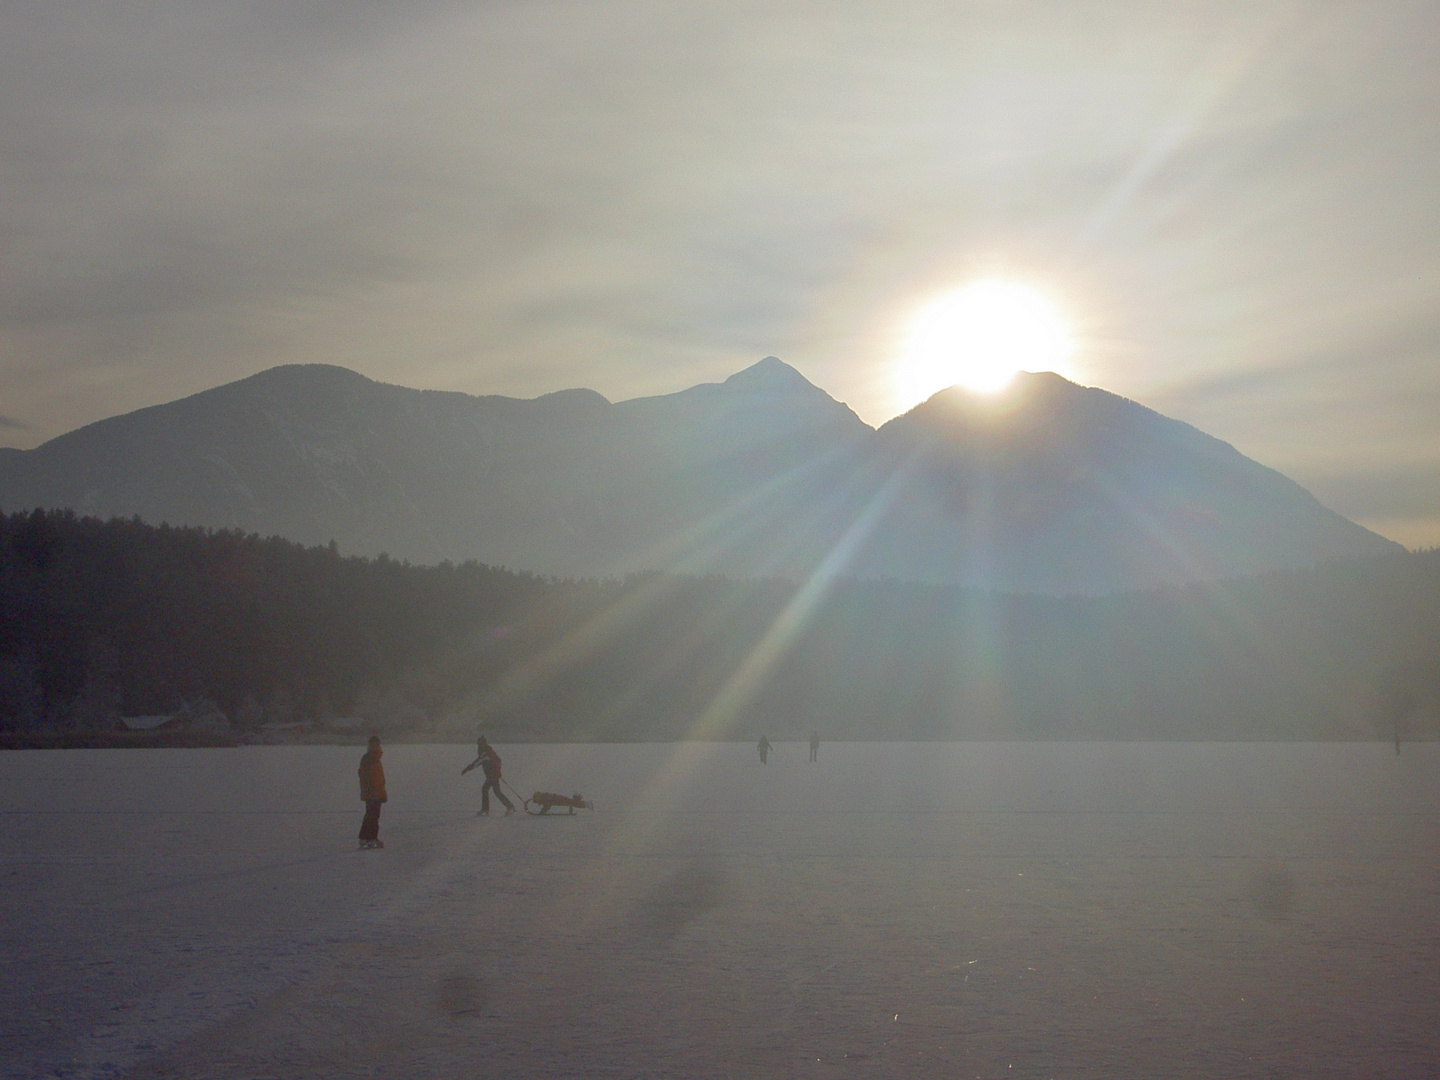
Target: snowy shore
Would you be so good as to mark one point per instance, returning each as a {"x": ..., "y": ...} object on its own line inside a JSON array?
[{"x": 1001, "y": 909}]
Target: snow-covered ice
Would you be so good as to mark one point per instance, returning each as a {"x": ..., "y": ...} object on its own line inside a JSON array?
[{"x": 1001, "y": 909}]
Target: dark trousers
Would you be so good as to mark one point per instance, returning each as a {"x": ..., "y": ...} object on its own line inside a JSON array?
[
  {"x": 370, "y": 827},
  {"x": 492, "y": 783}
]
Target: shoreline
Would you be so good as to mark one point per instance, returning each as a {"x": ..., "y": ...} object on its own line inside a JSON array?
[{"x": 218, "y": 740}]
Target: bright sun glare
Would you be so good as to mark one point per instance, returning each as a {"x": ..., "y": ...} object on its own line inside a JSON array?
[{"x": 978, "y": 337}]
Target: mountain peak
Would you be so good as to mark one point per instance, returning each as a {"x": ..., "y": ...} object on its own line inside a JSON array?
[
  {"x": 291, "y": 375},
  {"x": 772, "y": 373},
  {"x": 1028, "y": 397},
  {"x": 1024, "y": 387},
  {"x": 577, "y": 398}
]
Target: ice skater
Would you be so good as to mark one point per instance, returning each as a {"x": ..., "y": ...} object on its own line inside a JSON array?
[
  {"x": 489, "y": 762},
  {"x": 764, "y": 747},
  {"x": 814, "y": 746},
  {"x": 372, "y": 793}
]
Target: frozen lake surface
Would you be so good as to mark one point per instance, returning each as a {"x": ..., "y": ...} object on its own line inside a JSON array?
[{"x": 928, "y": 910}]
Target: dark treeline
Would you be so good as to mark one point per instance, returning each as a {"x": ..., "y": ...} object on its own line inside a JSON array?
[{"x": 104, "y": 619}]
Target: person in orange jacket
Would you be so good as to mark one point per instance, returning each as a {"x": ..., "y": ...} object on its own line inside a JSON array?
[{"x": 372, "y": 793}]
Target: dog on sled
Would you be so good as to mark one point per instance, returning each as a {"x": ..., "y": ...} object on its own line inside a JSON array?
[{"x": 544, "y": 800}]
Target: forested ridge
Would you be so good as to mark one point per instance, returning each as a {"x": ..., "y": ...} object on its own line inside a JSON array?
[{"x": 102, "y": 619}]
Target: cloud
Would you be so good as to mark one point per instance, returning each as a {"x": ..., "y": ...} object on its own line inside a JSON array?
[{"x": 10, "y": 422}]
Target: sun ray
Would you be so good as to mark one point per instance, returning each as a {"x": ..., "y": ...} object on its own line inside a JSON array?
[{"x": 668, "y": 784}]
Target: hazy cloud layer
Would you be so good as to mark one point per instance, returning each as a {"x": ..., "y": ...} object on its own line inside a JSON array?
[{"x": 1235, "y": 201}]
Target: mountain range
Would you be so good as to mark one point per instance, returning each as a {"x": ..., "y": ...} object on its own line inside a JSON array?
[{"x": 1048, "y": 487}]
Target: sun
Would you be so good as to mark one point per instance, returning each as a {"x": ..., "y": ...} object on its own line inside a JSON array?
[{"x": 979, "y": 336}]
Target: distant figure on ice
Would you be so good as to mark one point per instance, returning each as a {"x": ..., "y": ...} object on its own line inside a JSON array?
[
  {"x": 372, "y": 793},
  {"x": 764, "y": 747},
  {"x": 489, "y": 762},
  {"x": 814, "y": 745}
]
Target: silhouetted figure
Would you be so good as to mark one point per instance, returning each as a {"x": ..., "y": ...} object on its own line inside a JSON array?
[
  {"x": 372, "y": 793},
  {"x": 764, "y": 747},
  {"x": 489, "y": 762},
  {"x": 814, "y": 745}
]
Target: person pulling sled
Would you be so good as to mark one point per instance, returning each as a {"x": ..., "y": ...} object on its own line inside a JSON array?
[{"x": 489, "y": 762}]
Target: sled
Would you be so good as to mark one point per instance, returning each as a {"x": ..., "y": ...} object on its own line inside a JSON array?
[{"x": 546, "y": 799}]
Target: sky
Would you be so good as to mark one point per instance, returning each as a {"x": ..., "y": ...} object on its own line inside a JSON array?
[{"x": 1234, "y": 205}]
